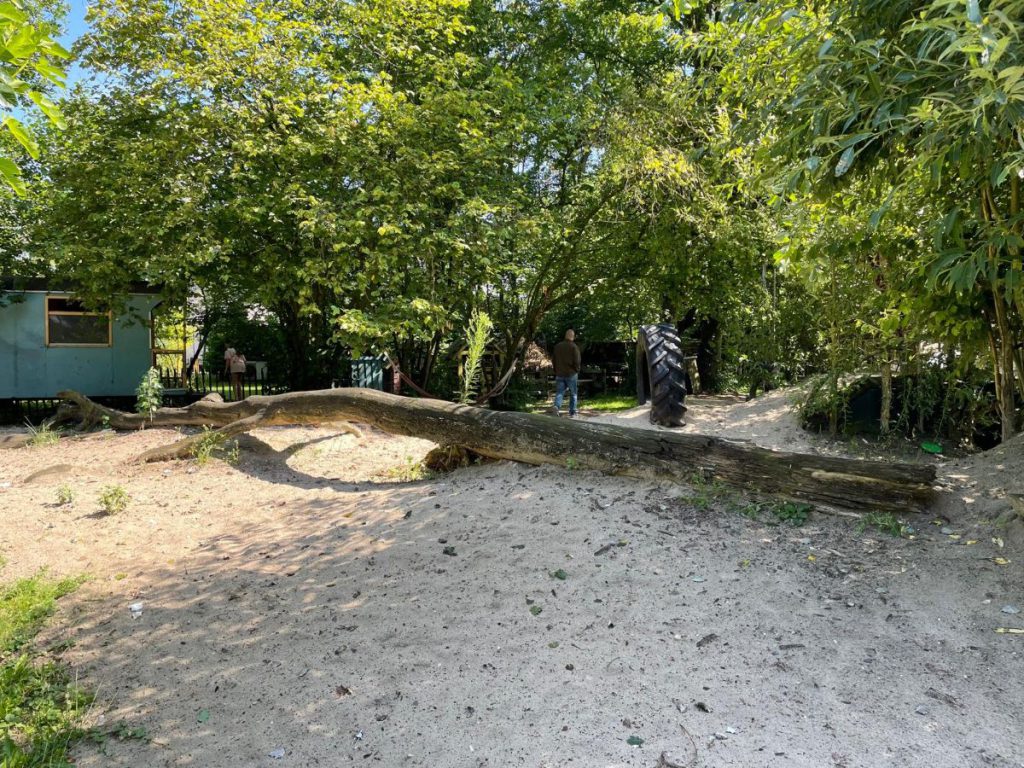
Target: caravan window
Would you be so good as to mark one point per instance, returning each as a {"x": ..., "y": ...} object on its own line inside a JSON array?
[{"x": 68, "y": 324}]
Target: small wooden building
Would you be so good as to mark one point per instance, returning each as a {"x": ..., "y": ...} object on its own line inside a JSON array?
[{"x": 50, "y": 342}]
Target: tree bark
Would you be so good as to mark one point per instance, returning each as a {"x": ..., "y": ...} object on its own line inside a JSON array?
[
  {"x": 1005, "y": 383},
  {"x": 825, "y": 481},
  {"x": 709, "y": 355},
  {"x": 885, "y": 420}
]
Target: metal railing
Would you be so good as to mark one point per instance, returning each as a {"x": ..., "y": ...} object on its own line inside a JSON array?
[{"x": 203, "y": 382}]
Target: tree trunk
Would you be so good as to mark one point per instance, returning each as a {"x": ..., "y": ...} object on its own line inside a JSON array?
[
  {"x": 1005, "y": 383},
  {"x": 534, "y": 439},
  {"x": 708, "y": 355},
  {"x": 886, "y": 416}
]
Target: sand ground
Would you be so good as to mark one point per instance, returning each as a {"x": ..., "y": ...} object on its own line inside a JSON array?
[{"x": 317, "y": 604}]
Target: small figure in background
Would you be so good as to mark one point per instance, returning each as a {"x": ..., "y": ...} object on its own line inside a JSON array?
[
  {"x": 567, "y": 368},
  {"x": 237, "y": 367},
  {"x": 228, "y": 354}
]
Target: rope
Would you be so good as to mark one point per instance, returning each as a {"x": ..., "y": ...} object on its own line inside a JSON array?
[
  {"x": 500, "y": 386},
  {"x": 409, "y": 382}
]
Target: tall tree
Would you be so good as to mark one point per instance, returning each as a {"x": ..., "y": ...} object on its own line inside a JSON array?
[
  {"x": 837, "y": 89},
  {"x": 369, "y": 172},
  {"x": 30, "y": 64}
]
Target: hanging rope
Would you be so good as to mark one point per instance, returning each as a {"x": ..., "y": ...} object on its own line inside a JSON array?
[
  {"x": 500, "y": 386},
  {"x": 409, "y": 382},
  {"x": 496, "y": 390}
]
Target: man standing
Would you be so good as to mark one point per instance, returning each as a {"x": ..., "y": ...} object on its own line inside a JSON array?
[{"x": 567, "y": 369}]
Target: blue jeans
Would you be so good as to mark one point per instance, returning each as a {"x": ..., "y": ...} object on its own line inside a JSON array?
[{"x": 563, "y": 383}]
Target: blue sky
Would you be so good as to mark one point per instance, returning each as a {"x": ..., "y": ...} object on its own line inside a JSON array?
[{"x": 76, "y": 27}]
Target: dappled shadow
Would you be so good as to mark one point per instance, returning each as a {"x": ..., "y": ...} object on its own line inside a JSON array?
[{"x": 341, "y": 630}]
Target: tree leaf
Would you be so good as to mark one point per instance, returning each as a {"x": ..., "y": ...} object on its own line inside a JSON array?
[
  {"x": 48, "y": 108},
  {"x": 11, "y": 12},
  {"x": 845, "y": 161},
  {"x": 974, "y": 11},
  {"x": 24, "y": 43},
  {"x": 23, "y": 135},
  {"x": 12, "y": 175}
]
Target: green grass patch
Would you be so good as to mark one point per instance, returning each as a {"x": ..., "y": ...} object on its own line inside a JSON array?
[
  {"x": 884, "y": 522},
  {"x": 25, "y": 605},
  {"x": 43, "y": 435},
  {"x": 609, "y": 402},
  {"x": 40, "y": 706}
]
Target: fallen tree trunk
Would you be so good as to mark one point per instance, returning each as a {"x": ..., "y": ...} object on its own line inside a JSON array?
[{"x": 827, "y": 481}]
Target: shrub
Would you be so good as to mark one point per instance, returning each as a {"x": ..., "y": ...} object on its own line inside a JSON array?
[
  {"x": 150, "y": 394},
  {"x": 65, "y": 495},
  {"x": 210, "y": 444},
  {"x": 114, "y": 499}
]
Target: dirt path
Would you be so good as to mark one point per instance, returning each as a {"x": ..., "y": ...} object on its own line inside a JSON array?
[{"x": 302, "y": 600}]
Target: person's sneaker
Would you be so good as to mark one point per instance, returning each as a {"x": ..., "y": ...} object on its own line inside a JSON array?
[
  {"x": 573, "y": 415},
  {"x": 553, "y": 411}
]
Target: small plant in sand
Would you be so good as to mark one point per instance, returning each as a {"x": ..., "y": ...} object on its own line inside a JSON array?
[
  {"x": 65, "y": 495},
  {"x": 408, "y": 472},
  {"x": 884, "y": 522},
  {"x": 211, "y": 445},
  {"x": 43, "y": 435},
  {"x": 113, "y": 499},
  {"x": 792, "y": 513},
  {"x": 150, "y": 394}
]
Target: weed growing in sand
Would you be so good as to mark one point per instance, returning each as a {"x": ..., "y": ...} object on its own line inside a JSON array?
[
  {"x": 40, "y": 707},
  {"x": 571, "y": 462},
  {"x": 706, "y": 492},
  {"x": 750, "y": 511},
  {"x": 213, "y": 444},
  {"x": 65, "y": 495},
  {"x": 792, "y": 513},
  {"x": 884, "y": 522},
  {"x": 408, "y": 472},
  {"x": 126, "y": 733},
  {"x": 43, "y": 435},
  {"x": 114, "y": 499}
]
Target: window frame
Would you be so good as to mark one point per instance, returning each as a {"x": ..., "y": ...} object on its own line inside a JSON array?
[{"x": 65, "y": 313}]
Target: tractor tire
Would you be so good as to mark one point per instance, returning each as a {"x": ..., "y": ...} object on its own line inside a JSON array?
[{"x": 661, "y": 374}]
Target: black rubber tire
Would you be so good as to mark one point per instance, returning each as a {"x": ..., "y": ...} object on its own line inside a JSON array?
[{"x": 661, "y": 374}]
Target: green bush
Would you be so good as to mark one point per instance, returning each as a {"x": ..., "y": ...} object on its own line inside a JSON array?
[
  {"x": 150, "y": 394},
  {"x": 211, "y": 444},
  {"x": 114, "y": 499}
]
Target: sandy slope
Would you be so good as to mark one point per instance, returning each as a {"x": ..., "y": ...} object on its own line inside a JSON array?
[{"x": 302, "y": 600}]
